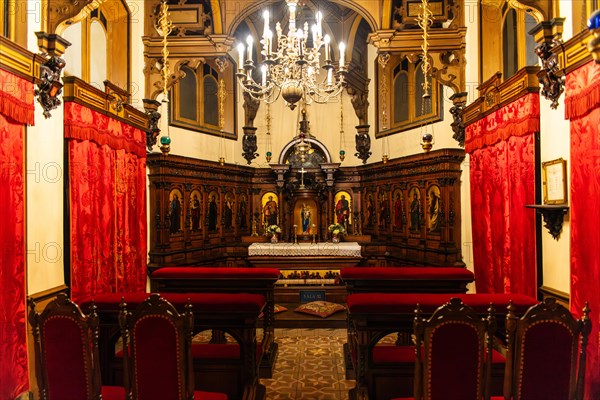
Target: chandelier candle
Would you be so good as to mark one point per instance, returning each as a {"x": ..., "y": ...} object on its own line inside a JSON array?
[{"x": 294, "y": 67}]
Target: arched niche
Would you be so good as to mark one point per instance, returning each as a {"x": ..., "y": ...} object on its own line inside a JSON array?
[{"x": 317, "y": 155}]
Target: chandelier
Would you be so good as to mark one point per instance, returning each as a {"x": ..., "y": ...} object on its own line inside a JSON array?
[{"x": 291, "y": 65}]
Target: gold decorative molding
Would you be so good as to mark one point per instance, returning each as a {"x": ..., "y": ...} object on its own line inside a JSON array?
[
  {"x": 494, "y": 94},
  {"x": 540, "y": 10},
  {"x": 20, "y": 61},
  {"x": 410, "y": 40},
  {"x": 110, "y": 103},
  {"x": 446, "y": 47},
  {"x": 574, "y": 52},
  {"x": 62, "y": 13},
  {"x": 186, "y": 47}
]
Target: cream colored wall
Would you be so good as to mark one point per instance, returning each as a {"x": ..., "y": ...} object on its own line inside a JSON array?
[
  {"x": 98, "y": 67},
  {"x": 555, "y": 143},
  {"x": 472, "y": 81},
  {"x": 73, "y": 54},
  {"x": 44, "y": 193}
]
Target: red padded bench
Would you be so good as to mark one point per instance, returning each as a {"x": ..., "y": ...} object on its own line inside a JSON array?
[
  {"x": 406, "y": 279},
  {"x": 382, "y": 372},
  {"x": 191, "y": 279},
  {"x": 402, "y": 279},
  {"x": 234, "y": 313}
]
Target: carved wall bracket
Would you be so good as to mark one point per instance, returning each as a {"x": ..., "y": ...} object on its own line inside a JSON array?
[
  {"x": 553, "y": 216},
  {"x": 249, "y": 143},
  {"x": 151, "y": 107},
  {"x": 552, "y": 78},
  {"x": 459, "y": 100},
  {"x": 50, "y": 86},
  {"x": 363, "y": 143}
]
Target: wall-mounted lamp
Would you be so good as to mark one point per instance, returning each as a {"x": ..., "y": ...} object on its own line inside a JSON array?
[{"x": 49, "y": 85}]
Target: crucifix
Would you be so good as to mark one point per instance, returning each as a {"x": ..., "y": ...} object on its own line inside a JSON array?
[{"x": 302, "y": 172}]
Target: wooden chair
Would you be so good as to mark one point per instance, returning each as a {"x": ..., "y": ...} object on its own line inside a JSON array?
[
  {"x": 157, "y": 352},
  {"x": 66, "y": 353},
  {"x": 452, "y": 350},
  {"x": 542, "y": 361}
]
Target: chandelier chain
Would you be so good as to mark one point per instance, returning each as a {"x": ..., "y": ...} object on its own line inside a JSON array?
[{"x": 425, "y": 20}]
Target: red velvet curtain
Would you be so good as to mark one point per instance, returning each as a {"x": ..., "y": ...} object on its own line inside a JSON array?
[
  {"x": 16, "y": 110},
  {"x": 107, "y": 180},
  {"x": 582, "y": 104},
  {"x": 501, "y": 148}
]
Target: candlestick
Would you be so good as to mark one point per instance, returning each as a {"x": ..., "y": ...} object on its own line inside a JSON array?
[
  {"x": 342, "y": 54},
  {"x": 241, "y": 49},
  {"x": 327, "y": 39},
  {"x": 249, "y": 40}
]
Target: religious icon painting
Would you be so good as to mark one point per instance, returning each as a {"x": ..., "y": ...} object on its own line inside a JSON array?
[
  {"x": 228, "y": 207},
  {"x": 195, "y": 208},
  {"x": 434, "y": 209},
  {"x": 398, "y": 216},
  {"x": 342, "y": 202},
  {"x": 370, "y": 210},
  {"x": 306, "y": 217},
  {"x": 175, "y": 212},
  {"x": 384, "y": 209},
  {"x": 270, "y": 209},
  {"x": 415, "y": 208},
  {"x": 242, "y": 214},
  {"x": 212, "y": 213}
]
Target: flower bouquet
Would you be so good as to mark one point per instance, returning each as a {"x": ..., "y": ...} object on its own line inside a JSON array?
[
  {"x": 336, "y": 231},
  {"x": 273, "y": 230}
]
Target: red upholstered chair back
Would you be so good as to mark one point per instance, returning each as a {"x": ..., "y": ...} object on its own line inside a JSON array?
[
  {"x": 158, "y": 360},
  {"x": 451, "y": 353},
  {"x": 66, "y": 351},
  {"x": 543, "y": 353}
]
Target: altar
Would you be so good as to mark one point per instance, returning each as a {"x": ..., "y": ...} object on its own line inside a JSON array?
[
  {"x": 306, "y": 266},
  {"x": 328, "y": 249}
]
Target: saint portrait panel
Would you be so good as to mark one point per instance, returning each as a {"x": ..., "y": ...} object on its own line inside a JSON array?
[
  {"x": 175, "y": 212},
  {"x": 434, "y": 217},
  {"x": 195, "y": 207}
]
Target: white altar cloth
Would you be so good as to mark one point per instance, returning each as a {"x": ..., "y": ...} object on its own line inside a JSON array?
[{"x": 343, "y": 249}]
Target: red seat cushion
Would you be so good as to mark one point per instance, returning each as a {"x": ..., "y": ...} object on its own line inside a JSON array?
[
  {"x": 215, "y": 273},
  {"x": 113, "y": 393},
  {"x": 404, "y": 303},
  {"x": 198, "y": 395},
  {"x": 394, "y": 354},
  {"x": 216, "y": 302},
  {"x": 425, "y": 273}
]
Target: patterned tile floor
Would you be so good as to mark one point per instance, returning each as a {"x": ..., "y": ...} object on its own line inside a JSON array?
[{"x": 310, "y": 366}]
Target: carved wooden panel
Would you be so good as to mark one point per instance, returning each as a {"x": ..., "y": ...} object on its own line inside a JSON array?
[{"x": 409, "y": 207}]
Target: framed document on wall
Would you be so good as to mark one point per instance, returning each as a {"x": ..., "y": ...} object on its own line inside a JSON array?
[{"x": 554, "y": 181}]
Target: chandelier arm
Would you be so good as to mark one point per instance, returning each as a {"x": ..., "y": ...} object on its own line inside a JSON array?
[{"x": 292, "y": 69}]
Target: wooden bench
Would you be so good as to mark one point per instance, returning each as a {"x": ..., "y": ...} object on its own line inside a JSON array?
[
  {"x": 402, "y": 279},
  {"x": 230, "y": 369},
  {"x": 406, "y": 279},
  {"x": 192, "y": 279},
  {"x": 387, "y": 372}
]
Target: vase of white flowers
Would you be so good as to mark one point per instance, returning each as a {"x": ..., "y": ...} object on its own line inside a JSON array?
[
  {"x": 337, "y": 231},
  {"x": 274, "y": 231}
]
